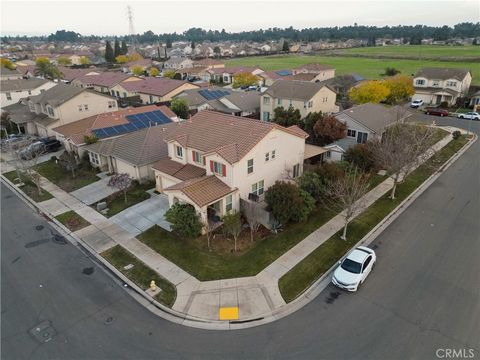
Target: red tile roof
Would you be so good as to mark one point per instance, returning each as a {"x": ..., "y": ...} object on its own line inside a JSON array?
[
  {"x": 107, "y": 79},
  {"x": 178, "y": 170},
  {"x": 152, "y": 86}
]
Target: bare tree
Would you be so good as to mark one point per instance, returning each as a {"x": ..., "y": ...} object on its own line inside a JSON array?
[
  {"x": 69, "y": 161},
  {"x": 346, "y": 194},
  {"x": 26, "y": 158},
  {"x": 233, "y": 225},
  {"x": 122, "y": 182},
  {"x": 402, "y": 148},
  {"x": 208, "y": 232},
  {"x": 252, "y": 211}
]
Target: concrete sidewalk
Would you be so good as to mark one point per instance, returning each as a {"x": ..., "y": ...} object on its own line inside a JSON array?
[{"x": 256, "y": 297}]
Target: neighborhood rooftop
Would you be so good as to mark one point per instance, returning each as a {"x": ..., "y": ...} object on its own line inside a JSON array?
[
  {"x": 442, "y": 73},
  {"x": 153, "y": 86},
  {"x": 21, "y": 84},
  {"x": 57, "y": 95},
  {"x": 294, "y": 89}
]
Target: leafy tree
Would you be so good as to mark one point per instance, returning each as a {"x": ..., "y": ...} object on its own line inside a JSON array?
[
  {"x": 6, "y": 63},
  {"x": 121, "y": 59},
  {"x": 244, "y": 79},
  {"x": 46, "y": 69},
  {"x": 153, "y": 71},
  {"x": 84, "y": 60},
  {"x": 192, "y": 45},
  {"x": 287, "y": 117},
  {"x": 370, "y": 91},
  {"x": 169, "y": 43},
  {"x": 169, "y": 73},
  {"x": 360, "y": 156},
  {"x": 138, "y": 70},
  {"x": 63, "y": 60},
  {"x": 184, "y": 219},
  {"x": 109, "y": 54},
  {"x": 311, "y": 182},
  {"x": 400, "y": 87},
  {"x": 391, "y": 71},
  {"x": 117, "y": 51},
  {"x": 285, "y": 46},
  {"x": 122, "y": 182},
  {"x": 66, "y": 36},
  {"x": 134, "y": 57},
  {"x": 124, "y": 48},
  {"x": 328, "y": 129},
  {"x": 252, "y": 213},
  {"x": 232, "y": 223},
  {"x": 180, "y": 107},
  {"x": 217, "y": 51},
  {"x": 288, "y": 202}
]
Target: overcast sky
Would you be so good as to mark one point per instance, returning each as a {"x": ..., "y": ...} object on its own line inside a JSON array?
[{"x": 110, "y": 17}]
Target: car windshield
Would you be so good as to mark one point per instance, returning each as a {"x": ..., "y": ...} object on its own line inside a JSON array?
[{"x": 351, "y": 266}]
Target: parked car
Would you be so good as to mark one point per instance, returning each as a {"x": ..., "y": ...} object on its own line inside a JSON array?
[
  {"x": 436, "y": 111},
  {"x": 42, "y": 146},
  {"x": 416, "y": 103},
  {"x": 470, "y": 116},
  {"x": 51, "y": 144},
  {"x": 354, "y": 268}
]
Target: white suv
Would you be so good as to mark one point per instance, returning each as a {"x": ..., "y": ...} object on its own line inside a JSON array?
[
  {"x": 416, "y": 103},
  {"x": 470, "y": 116},
  {"x": 354, "y": 268}
]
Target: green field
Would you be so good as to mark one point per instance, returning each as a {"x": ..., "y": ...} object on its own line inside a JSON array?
[
  {"x": 368, "y": 68},
  {"x": 420, "y": 51}
]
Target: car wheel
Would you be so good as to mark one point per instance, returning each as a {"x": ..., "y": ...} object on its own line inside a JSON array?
[
  {"x": 462, "y": 117},
  {"x": 441, "y": 115},
  {"x": 427, "y": 113}
]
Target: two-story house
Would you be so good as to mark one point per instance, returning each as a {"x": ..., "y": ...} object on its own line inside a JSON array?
[
  {"x": 7, "y": 74},
  {"x": 11, "y": 91},
  {"x": 437, "y": 85},
  {"x": 313, "y": 72},
  {"x": 305, "y": 96},
  {"x": 59, "y": 105},
  {"x": 240, "y": 159},
  {"x": 227, "y": 75},
  {"x": 177, "y": 62},
  {"x": 101, "y": 82}
]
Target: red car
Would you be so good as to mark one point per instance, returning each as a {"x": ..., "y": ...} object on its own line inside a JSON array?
[{"x": 436, "y": 111}]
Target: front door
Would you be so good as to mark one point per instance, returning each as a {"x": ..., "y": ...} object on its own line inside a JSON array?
[{"x": 438, "y": 99}]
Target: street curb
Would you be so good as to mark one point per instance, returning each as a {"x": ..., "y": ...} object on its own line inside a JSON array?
[{"x": 303, "y": 299}]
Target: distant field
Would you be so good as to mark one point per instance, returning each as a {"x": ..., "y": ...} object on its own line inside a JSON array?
[
  {"x": 368, "y": 68},
  {"x": 420, "y": 51}
]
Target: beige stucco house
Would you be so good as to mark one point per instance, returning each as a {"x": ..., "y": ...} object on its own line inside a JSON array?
[
  {"x": 305, "y": 96},
  {"x": 316, "y": 72},
  {"x": 11, "y": 91}
]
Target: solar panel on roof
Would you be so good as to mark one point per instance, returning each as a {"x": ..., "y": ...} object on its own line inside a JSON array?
[
  {"x": 100, "y": 133},
  {"x": 213, "y": 94},
  {"x": 110, "y": 131},
  {"x": 283, "y": 72}
]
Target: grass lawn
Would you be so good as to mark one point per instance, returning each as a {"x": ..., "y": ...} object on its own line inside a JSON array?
[
  {"x": 141, "y": 274},
  {"x": 63, "y": 179},
  {"x": 138, "y": 193},
  {"x": 72, "y": 220},
  {"x": 368, "y": 68},
  {"x": 194, "y": 256},
  {"x": 30, "y": 189},
  {"x": 298, "y": 279}
]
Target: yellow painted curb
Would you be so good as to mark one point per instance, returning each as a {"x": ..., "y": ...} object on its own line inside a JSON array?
[{"x": 229, "y": 313}]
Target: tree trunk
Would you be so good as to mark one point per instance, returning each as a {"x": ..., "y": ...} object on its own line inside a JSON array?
[
  {"x": 235, "y": 242},
  {"x": 251, "y": 234},
  {"x": 395, "y": 181},
  {"x": 73, "y": 172},
  {"x": 344, "y": 235},
  {"x": 125, "y": 195}
]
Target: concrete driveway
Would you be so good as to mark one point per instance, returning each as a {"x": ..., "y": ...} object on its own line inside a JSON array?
[
  {"x": 94, "y": 192},
  {"x": 138, "y": 218}
]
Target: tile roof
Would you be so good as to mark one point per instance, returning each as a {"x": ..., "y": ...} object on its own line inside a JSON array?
[
  {"x": 59, "y": 94},
  {"x": 107, "y": 79},
  {"x": 178, "y": 170},
  {"x": 70, "y": 74},
  {"x": 245, "y": 101},
  {"x": 294, "y": 89},
  {"x": 193, "y": 97},
  {"x": 314, "y": 67},
  {"x": 21, "y": 84},
  {"x": 233, "y": 136},
  {"x": 152, "y": 86},
  {"x": 233, "y": 70},
  {"x": 207, "y": 62},
  {"x": 75, "y": 131},
  {"x": 442, "y": 73},
  {"x": 203, "y": 190},
  {"x": 435, "y": 90},
  {"x": 7, "y": 71},
  {"x": 19, "y": 113},
  {"x": 302, "y": 76}
]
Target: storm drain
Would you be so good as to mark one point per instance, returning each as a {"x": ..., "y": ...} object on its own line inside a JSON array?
[
  {"x": 43, "y": 332},
  {"x": 88, "y": 270},
  {"x": 59, "y": 239},
  {"x": 109, "y": 320},
  {"x": 39, "y": 227}
]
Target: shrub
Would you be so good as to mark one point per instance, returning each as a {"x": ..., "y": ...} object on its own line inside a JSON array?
[
  {"x": 184, "y": 219},
  {"x": 361, "y": 156},
  {"x": 288, "y": 202},
  {"x": 329, "y": 172},
  {"x": 456, "y": 134},
  {"x": 90, "y": 139},
  {"x": 444, "y": 104},
  {"x": 312, "y": 184},
  {"x": 180, "y": 107}
]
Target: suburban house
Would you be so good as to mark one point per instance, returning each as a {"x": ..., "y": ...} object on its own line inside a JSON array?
[
  {"x": 475, "y": 100},
  {"x": 437, "y": 85},
  {"x": 111, "y": 124},
  {"x": 208, "y": 63},
  {"x": 369, "y": 121},
  {"x": 227, "y": 75},
  {"x": 317, "y": 72},
  {"x": 193, "y": 73},
  {"x": 144, "y": 64},
  {"x": 305, "y": 96},
  {"x": 11, "y": 91},
  {"x": 7, "y": 74},
  {"x": 69, "y": 74},
  {"x": 101, "y": 82},
  {"x": 269, "y": 77},
  {"x": 59, "y": 105},
  {"x": 214, "y": 170},
  {"x": 151, "y": 90},
  {"x": 177, "y": 62},
  {"x": 222, "y": 100}
]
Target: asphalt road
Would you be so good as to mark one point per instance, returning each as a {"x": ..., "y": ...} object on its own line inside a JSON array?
[{"x": 423, "y": 295}]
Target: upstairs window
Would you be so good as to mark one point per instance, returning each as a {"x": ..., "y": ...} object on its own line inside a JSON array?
[
  {"x": 420, "y": 82},
  {"x": 296, "y": 171},
  {"x": 279, "y": 101},
  {"x": 80, "y": 108},
  {"x": 310, "y": 104},
  {"x": 436, "y": 83},
  {"x": 250, "y": 166},
  {"x": 351, "y": 133},
  {"x": 218, "y": 168},
  {"x": 266, "y": 100},
  {"x": 267, "y": 156},
  {"x": 179, "y": 152},
  {"x": 50, "y": 111},
  {"x": 111, "y": 104},
  {"x": 9, "y": 96},
  {"x": 197, "y": 157},
  {"x": 451, "y": 83},
  {"x": 273, "y": 154}
]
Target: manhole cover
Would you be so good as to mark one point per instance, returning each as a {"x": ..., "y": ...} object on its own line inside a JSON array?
[
  {"x": 109, "y": 320},
  {"x": 43, "y": 332},
  {"x": 39, "y": 227},
  {"x": 59, "y": 239},
  {"x": 88, "y": 271}
]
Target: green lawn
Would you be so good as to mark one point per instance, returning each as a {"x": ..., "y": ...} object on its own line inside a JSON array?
[
  {"x": 135, "y": 195},
  {"x": 141, "y": 274},
  {"x": 368, "y": 68},
  {"x": 30, "y": 189},
  {"x": 72, "y": 220},
  {"x": 420, "y": 51},
  {"x": 63, "y": 179},
  {"x": 194, "y": 256},
  {"x": 298, "y": 279}
]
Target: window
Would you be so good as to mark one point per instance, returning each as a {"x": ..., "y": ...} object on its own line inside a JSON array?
[
  {"x": 266, "y": 100},
  {"x": 279, "y": 101},
  {"x": 29, "y": 92},
  {"x": 273, "y": 154},
  {"x": 325, "y": 99},
  {"x": 124, "y": 94},
  {"x": 436, "y": 83},
  {"x": 451, "y": 83},
  {"x": 9, "y": 96},
  {"x": 304, "y": 104},
  {"x": 197, "y": 157},
  {"x": 50, "y": 111},
  {"x": 362, "y": 137},
  {"x": 94, "y": 159},
  {"x": 328, "y": 154},
  {"x": 266, "y": 116},
  {"x": 85, "y": 106},
  {"x": 420, "y": 82},
  {"x": 218, "y": 168},
  {"x": 113, "y": 92},
  {"x": 290, "y": 103},
  {"x": 250, "y": 166},
  {"x": 365, "y": 264},
  {"x": 351, "y": 133},
  {"x": 80, "y": 108},
  {"x": 111, "y": 104},
  {"x": 267, "y": 156},
  {"x": 310, "y": 104},
  {"x": 179, "y": 151},
  {"x": 228, "y": 203},
  {"x": 296, "y": 170},
  {"x": 257, "y": 188}
]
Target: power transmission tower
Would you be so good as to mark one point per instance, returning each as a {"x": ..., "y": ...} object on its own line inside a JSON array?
[{"x": 131, "y": 29}]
